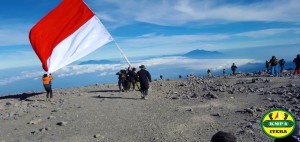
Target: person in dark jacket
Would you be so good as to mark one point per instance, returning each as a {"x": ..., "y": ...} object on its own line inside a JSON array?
[
  {"x": 281, "y": 64},
  {"x": 132, "y": 78},
  {"x": 274, "y": 66},
  {"x": 122, "y": 80},
  {"x": 144, "y": 78},
  {"x": 161, "y": 77},
  {"x": 297, "y": 63},
  {"x": 233, "y": 68},
  {"x": 47, "y": 85}
]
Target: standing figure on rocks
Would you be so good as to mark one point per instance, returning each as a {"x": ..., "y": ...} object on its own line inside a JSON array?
[
  {"x": 224, "y": 73},
  {"x": 233, "y": 68},
  {"x": 274, "y": 66},
  {"x": 47, "y": 85},
  {"x": 297, "y": 63},
  {"x": 223, "y": 137},
  {"x": 144, "y": 78},
  {"x": 180, "y": 76},
  {"x": 268, "y": 65},
  {"x": 161, "y": 77},
  {"x": 281, "y": 64},
  {"x": 122, "y": 80},
  {"x": 208, "y": 73}
]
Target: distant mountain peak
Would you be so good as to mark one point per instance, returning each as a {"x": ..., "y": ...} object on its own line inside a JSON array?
[{"x": 200, "y": 53}]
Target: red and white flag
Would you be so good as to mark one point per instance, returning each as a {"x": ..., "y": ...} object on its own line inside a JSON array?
[{"x": 66, "y": 34}]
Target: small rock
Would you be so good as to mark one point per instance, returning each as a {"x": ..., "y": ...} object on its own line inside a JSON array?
[
  {"x": 195, "y": 95},
  {"x": 215, "y": 114},
  {"x": 189, "y": 109},
  {"x": 8, "y": 103},
  {"x": 174, "y": 98},
  {"x": 97, "y": 136},
  {"x": 34, "y": 122},
  {"x": 248, "y": 110},
  {"x": 62, "y": 123},
  {"x": 292, "y": 85},
  {"x": 51, "y": 117}
]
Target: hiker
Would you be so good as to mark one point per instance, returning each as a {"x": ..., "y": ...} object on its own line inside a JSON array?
[
  {"x": 144, "y": 78},
  {"x": 127, "y": 82},
  {"x": 122, "y": 80},
  {"x": 47, "y": 85},
  {"x": 132, "y": 78},
  {"x": 268, "y": 65},
  {"x": 161, "y": 77},
  {"x": 281, "y": 64},
  {"x": 208, "y": 73},
  {"x": 297, "y": 64},
  {"x": 180, "y": 76},
  {"x": 223, "y": 137},
  {"x": 233, "y": 68},
  {"x": 274, "y": 68},
  {"x": 224, "y": 73}
]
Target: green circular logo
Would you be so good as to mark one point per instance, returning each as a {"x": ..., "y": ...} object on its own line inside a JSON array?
[{"x": 278, "y": 123}]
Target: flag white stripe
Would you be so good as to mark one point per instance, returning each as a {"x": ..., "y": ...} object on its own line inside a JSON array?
[{"x": 89, "y": 37}]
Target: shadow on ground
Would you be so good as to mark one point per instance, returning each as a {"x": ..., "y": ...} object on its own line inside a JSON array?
[
  {"x": 105, "y": 97},
  {"x": 104, "y": 91},
  {"x": 21, "y": 97}
]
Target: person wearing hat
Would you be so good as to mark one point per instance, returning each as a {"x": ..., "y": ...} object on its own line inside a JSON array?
[
  {"x": 274, "y": 68},
  {"x": 144, "y": 78}
]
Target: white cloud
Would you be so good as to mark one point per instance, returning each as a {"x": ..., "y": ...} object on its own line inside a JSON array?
[
  {"x": 196, "y": 64},
  {"x": 180, "y": 12},
  {"x": 22, "y": 76},
  {"x": 147, "y": 35},
  {"x": 155, "y": 63},
  {"x": 269, "y": 32},
  {"x": 84, "y": 69}
]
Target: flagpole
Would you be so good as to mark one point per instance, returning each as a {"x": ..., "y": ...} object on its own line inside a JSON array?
[{"x": 123, "y": 54}]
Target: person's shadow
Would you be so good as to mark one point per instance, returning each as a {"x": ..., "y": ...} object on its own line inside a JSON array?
[
  {"x": 21, "y": 97},
  {"x": 104, "y": 91}
]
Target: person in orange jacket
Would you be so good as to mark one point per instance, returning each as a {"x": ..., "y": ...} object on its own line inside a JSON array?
[{"x": 47, "y": 85}]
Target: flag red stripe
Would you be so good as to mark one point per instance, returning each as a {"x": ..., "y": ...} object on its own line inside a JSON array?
[{"x": 57, "y": 25}]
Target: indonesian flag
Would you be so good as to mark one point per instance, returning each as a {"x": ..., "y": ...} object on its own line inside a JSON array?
[{"x": 66, "y": 34}]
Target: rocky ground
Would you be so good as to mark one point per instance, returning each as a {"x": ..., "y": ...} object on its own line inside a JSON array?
[{"x": 176, "y": 110}]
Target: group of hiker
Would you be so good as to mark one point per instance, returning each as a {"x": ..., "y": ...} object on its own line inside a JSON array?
[
  {"x": 128, "y": 79},
  {"x": 233, "y": 69},
  {"x": 273, "y": 65}
]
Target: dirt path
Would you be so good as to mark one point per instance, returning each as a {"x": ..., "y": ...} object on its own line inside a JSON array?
[{"x": 177, "y": 110}]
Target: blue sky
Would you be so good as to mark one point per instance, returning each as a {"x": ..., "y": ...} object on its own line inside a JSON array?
[{"x": 159, "y": 27}]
